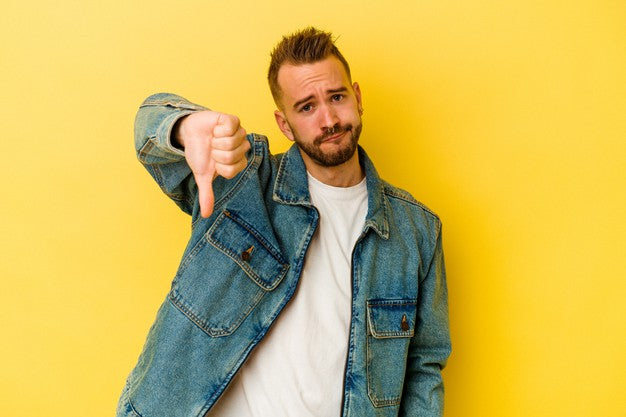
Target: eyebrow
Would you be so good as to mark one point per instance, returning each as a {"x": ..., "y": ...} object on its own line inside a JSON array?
[{"x": 331, "y": 91}]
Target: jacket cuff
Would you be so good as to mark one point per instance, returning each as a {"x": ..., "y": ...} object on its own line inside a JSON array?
[{"x": 164, "y": 132}]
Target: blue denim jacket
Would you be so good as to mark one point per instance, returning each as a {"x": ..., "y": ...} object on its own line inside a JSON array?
[{"x": 221, "y": 303}]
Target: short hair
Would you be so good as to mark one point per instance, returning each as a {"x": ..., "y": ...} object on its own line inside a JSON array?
[{"x": 305, "y": 46}]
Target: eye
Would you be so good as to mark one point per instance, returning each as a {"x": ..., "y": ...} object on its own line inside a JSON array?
[
  {"x": 306, "y": 108},
  {"x": 337, "y": 97}
]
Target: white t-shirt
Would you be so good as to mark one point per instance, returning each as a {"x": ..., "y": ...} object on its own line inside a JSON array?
[{"x": 298, "y": 368}]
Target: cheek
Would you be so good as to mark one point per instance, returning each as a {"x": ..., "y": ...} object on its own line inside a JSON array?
[
  {"x": 305, "y": 126},
  {"x": 350, "y": 115}
]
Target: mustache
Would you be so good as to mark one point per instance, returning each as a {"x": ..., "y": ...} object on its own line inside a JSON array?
[{"x": 331, "y": 131}]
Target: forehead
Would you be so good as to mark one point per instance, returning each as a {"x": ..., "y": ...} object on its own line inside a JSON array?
[{"x": 296, "y": 81}]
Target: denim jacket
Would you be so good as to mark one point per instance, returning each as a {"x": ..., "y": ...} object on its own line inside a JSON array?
[{"x": 225, "y": 297}]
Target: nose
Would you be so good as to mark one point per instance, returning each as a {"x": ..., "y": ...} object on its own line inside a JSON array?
[{"x": 328, "y": 117}]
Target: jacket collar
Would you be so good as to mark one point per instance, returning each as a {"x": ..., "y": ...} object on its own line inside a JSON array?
[{"x": 291, "y": 187}]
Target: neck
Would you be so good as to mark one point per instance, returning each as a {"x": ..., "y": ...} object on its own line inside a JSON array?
[{"x": 345, "y": 175}]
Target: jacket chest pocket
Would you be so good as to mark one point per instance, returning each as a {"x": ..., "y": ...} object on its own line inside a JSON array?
[
  {"x": 225, "y": 275},
  {"x": 390, "y": 326}
]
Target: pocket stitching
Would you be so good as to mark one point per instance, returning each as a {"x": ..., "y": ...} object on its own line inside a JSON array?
[
  {"x": 390, "y": 401},
  {"x": 176, "y": 299},
  {"x": 388, "y": 334},
  {"x": 378, "y": 402},
  {"x": 244, "y": 266}
]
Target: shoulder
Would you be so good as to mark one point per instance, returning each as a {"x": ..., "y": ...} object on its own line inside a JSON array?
[
  {"x": 260, "y": 153},
  {"x": 403, "y": 204}
]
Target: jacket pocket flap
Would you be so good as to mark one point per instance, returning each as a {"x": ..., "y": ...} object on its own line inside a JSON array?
[
  {"x": 259, "y": 260},
  {"x": 391, "y": 318}
]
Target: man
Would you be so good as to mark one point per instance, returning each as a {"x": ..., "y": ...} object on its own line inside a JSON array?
[{"x": 310, "y": 287}]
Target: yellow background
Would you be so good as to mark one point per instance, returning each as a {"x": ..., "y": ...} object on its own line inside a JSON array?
[{"x": 508, "y": 118}]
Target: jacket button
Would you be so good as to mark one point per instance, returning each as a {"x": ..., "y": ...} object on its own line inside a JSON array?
[
  {"x": 245, "y": 255},
  {"x": 404, "y": 324}
]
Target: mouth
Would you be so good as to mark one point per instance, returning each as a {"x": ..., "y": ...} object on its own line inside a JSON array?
[{"x": 334, "y": 137}]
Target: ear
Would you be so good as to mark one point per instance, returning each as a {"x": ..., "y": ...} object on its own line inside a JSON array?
[
  {"x": 357, "y": 94},
  {"x": 283, "y": 125}
]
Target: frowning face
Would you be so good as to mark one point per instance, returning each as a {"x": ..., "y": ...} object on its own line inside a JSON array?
[{"x": 321, "y": 111}]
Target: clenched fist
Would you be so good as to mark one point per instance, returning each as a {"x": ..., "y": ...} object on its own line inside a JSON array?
[{"x": 215, "y": 144}]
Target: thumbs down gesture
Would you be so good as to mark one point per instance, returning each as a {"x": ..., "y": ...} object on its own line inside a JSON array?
[{"x": 215, "y": 144}]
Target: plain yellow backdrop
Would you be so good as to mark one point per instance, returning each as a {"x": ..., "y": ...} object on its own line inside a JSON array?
[{"x": 508, "y": 118}]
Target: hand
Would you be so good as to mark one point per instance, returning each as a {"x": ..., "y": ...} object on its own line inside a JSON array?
[{"x": 215, "y": 144}]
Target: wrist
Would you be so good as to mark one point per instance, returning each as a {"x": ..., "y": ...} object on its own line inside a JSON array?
[{"x": 177, "y": 138}]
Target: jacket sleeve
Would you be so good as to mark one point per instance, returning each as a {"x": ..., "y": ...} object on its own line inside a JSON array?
[
  {"x": 165, "y": 163},
  {"x": 430, "y": 346}
]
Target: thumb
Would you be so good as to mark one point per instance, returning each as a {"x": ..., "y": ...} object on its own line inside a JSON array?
[{"x": 205, "y": 190}]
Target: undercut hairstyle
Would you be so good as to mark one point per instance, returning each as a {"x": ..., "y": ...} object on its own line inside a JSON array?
[{"x": 305, "y": 46}]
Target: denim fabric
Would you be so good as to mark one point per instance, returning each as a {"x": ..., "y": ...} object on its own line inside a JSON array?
[{"x": 222, "y": 303}]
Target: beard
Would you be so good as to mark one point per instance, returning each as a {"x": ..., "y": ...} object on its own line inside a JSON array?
[{"x": 334, "y": 158}]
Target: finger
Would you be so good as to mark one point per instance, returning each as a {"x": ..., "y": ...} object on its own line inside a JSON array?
[
  {"x": 227, "y": 125},
  {"x": 231, "y": 170},
  {"x": 230, "y": 142},
  {"x": 206, "y": 198},
  {"x": 230, "y": 157},
  {"x": 205, "y": 191}
]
